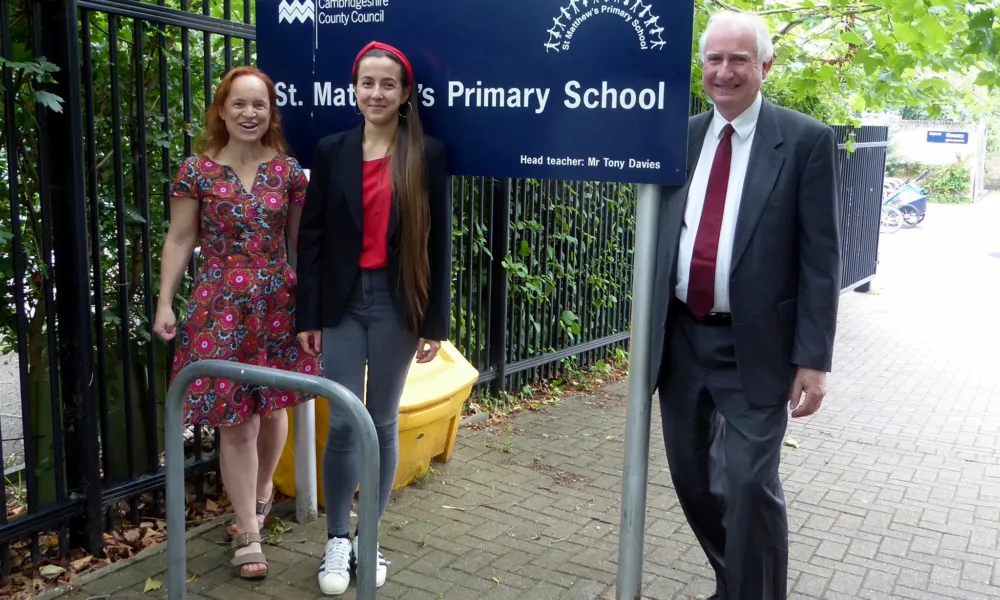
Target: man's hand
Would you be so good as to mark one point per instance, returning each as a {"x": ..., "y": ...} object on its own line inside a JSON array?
[{"x": 812, "y": 383}]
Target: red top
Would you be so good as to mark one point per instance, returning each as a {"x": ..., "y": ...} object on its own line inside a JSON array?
[{"x": 376, "y": 201}]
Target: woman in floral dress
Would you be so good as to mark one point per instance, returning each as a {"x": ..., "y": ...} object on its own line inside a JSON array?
[{"x": 240, "y": 199}]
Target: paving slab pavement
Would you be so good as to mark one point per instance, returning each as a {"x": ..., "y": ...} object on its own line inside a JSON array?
[{"x": 893, "y": 489}]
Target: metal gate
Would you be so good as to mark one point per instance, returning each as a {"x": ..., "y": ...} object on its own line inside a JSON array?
[{"x": 863, "y": 153}]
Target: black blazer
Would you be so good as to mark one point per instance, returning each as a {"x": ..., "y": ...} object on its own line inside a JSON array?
[
  {"x": 330, "y": 237},
  {"x": 784, "y": 283}
]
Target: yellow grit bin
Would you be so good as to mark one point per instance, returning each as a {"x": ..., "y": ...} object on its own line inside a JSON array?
[{"x": 429, "y": 413}]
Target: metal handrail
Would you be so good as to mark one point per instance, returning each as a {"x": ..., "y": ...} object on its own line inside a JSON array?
[{"x": 342, "y": 398}]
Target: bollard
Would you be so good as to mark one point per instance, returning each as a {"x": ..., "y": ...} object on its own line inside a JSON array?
[
  {"x": 636, "y": 468},
  {"x": 306, "y": 493},
  {"x": 304, "y": 420},
  {"x": 340, "y": 396}
]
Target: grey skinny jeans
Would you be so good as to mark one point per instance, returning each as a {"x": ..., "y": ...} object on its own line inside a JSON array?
[{"x": 371, "y": 331}]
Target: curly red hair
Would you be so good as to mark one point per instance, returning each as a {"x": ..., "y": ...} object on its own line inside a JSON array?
[{"x": 215, "y": 136}]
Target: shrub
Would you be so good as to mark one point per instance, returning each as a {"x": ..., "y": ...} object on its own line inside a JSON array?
[
  {"x": 894, "y": 167},
  {"x": 945, "y": 184},
  {"x": 949, "y": 184}
]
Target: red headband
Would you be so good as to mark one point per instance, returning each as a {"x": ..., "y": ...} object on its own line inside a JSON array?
[{"x": 394, "y": 51}]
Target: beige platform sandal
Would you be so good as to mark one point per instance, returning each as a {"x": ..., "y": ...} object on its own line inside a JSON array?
[
  {"x": 263, "y": 510},
  {"x": 243, "y": 540}
]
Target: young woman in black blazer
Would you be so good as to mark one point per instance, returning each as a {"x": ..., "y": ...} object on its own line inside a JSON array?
[{"x": 374, "y": 277}]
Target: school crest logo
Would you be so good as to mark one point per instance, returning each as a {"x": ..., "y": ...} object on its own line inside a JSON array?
[{"x": 641, "y": 16}]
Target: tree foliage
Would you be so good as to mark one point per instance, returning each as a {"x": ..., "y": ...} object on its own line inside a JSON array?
[{"x": 837, "y": 59}]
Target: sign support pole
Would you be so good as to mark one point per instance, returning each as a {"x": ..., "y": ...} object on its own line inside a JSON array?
[{"x": 637, "y": 421}]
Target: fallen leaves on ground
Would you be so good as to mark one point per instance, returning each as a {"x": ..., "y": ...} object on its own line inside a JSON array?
[
  {"x": 127, "y": 542},
  {"x": 15, "y": 509},
  {"x": 28, "y": 580},
  {"x": 544, "y": 393},
  {"x": 151, "y": 585},
  {"x": 276, "y": 530}
]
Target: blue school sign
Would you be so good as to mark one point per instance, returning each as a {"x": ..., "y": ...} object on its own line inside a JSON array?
[{"x": 551, "y": 89}]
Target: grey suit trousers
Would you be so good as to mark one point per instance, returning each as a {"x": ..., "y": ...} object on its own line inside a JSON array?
[{"x": 723, "y": 454}]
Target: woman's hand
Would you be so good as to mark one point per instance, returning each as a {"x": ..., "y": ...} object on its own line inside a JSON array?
[
  {"x": 310, "y": 341},
  {"x": 427, "y": 350},
  {"x": 165, "y": 324}
]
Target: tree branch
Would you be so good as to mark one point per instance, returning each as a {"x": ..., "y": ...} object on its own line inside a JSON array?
[
  {"x": 799, "y": 21},
  {"x": 15, "y": 89},
  {"x": 788, "y": 27},
  {"x": 725, "y": 6},
  {"x": 803, "y": 12},
  {"x": 794, "y": 9},
  {"x": 104, "y": 161}
]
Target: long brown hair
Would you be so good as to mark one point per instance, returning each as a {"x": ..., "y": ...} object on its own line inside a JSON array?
[
  {"x": 215, "y": 136},
  {"x": 410, "y": 189}
]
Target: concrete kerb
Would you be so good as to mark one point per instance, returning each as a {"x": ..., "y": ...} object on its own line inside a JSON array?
[
  {"x": 480, "y": 417},
  {"x": 96, "y": 574}
]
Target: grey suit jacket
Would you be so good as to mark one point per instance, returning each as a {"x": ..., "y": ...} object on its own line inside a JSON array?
[{"x": 784, "y": 284}]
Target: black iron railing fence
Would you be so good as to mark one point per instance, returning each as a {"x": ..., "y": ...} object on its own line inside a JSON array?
[
  {"x": 98, "y": 109},
  {"x": 101, "y": 102}
]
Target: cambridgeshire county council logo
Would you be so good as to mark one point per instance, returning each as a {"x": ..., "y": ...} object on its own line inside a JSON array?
[
  {"x": 296, "y": 10},
  {"x": 638, "y": 14}
]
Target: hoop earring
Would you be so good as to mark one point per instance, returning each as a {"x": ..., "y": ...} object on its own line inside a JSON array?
[
  {"x": 400, "y": 111},
  {"x": 357, "y": 109}
]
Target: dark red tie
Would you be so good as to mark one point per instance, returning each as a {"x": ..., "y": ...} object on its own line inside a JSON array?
[{"x": 701, "y": 279}]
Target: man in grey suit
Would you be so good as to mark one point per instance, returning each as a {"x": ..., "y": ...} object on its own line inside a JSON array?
[{"x": 745, "y": 306}]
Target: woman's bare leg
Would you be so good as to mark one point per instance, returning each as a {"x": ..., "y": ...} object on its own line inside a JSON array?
[
  {"x": 238, "y": 462},
  {"x": 270, "y": 444}
]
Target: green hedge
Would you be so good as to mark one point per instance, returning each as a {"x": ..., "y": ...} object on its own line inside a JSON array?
[
  {"x": 949, "y": 185},
  {"x": 945, "y": 184}
]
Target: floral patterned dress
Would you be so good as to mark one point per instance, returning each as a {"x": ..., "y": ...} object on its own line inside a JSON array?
[{"x": 242, "y": 308}]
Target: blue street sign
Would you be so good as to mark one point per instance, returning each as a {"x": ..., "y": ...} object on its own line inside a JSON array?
[
  {"x": 551, "y": 89},
  {"x": 948, "y": 137}
]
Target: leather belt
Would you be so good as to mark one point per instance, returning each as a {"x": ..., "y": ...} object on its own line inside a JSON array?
[{"x": 712, "y": 318}]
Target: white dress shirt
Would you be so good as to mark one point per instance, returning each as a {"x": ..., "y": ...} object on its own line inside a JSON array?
[{"x": 742, "y": 139}]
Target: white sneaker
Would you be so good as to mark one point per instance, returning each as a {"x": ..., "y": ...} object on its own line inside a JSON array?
[
  {"x": 334, "y": 571},
  {"x": 383, "y": 564}
]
